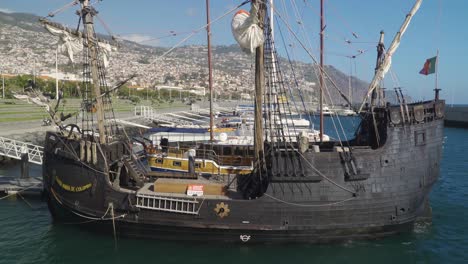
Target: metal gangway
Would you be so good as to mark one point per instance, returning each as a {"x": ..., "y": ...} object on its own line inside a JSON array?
[{"x": 16, "y": 149}]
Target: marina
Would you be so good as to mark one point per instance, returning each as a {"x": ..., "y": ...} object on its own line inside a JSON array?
[
  {"x": 26, "y": 153},
  {"x": 441, "y": 241},
  {"x": 249, "y": 137}
]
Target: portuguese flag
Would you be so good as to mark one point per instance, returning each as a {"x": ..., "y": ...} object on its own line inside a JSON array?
[{"x": 429, "y": 66}]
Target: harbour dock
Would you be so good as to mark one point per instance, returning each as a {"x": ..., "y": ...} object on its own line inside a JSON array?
[
  {"x": 26, "y": 153},
  {"x": 25, "y": 186}
]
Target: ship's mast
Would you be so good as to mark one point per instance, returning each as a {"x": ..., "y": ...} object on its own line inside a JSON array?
[
  {"x": 436, "y": 89},
  {"x": 322, "y": 28},
  {"x": 87, "y": 14},
  {"x": 349, "y": 80},
  {"x": 380, "y": 58},
  {"x": 272, "y": 22},
  {"x": 210, "y": 70},
  {"x": 387, "y": 60},
  {"x": 259, "y": 87}
]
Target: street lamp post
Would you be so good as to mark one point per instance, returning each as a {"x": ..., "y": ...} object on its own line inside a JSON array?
[
  {"x": 34, "y": 73},
  {"x": 3, "y": 85},
  {"x": 56, "y": 75}
]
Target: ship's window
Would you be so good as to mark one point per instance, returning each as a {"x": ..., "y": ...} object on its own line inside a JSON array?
[
  {"x": 176, "y": 163},
  {"x": 197, "y": 165},
  {"x": 419, "y": 138},
  {"x": 158, "y": 161}
]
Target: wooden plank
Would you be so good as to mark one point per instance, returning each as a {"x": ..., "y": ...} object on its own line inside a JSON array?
[{"x": 179, "y": 175}]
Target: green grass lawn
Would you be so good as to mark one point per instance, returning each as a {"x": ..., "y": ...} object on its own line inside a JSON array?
[
  {"x": 12, "y": 110},
  {"x": 5, "y": 113},
  {"x": 20, "y": 119}
]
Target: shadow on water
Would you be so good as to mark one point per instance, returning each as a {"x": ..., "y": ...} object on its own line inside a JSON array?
[
  {"x": 62, "y": 244},
  {"x": 28, "y": 235},
  {"x": 341, "y": 127}
]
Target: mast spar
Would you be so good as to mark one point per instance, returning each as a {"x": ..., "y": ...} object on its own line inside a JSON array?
[
  {"x": 259, "y": 87},
  {"x": 380, "y": 58},
  {"x": 210, "y": 69},
  {"x": 322, "y": 28},
  {"x": 87, "y": 14},
  {"x": 387, "y": 61}
]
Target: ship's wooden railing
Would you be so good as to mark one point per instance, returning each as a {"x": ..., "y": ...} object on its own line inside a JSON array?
[
  {"x": 208, "y": 154},
  {"x": 415, "y": 113}
]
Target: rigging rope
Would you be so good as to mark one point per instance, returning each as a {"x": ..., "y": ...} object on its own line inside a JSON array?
[
  {"x": 24, "y": 199},
  {"x": 311, "y": 118},
  {"x": 52, "y": 14},
  {"x": 73, "y": 152},
  {"x": 325, "y": 177},
  {"x": 317, "y": 74},
  {"x": 65, "y": 7},
  {"x": 343, "y": 38},
  {"x": 311, "y": 56},
  {"x": 113, "y": 224},
  {"x": 296, "y": 83},
  {"x": 315, "y": 69},
  {"x": 171, "y": 34},
  {"x": 102, "y": 218},
  {"x": 345, "y": 23},
  {"x": 198, "y": 30},
  {"x": 22, "y": 190},
  {"x": 105, "y": 26},
  {"x": 98, "y": 218}
]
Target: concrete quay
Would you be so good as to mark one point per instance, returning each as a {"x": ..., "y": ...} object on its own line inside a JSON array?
[{"x": 456, "y": 116}]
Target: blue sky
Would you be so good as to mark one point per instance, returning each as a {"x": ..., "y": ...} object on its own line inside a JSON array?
[{"x": 438, "y": 25}]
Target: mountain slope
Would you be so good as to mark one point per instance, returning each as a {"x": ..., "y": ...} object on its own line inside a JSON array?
[{"x": 26, "y": 48}]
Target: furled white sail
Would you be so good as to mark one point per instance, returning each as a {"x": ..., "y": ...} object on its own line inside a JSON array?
[
  {"x": 246, "y": 30},
  {"x": 68, "y": 44},
  {"x": 387, "y": 62},
  {"x": 71, "y": 44}
]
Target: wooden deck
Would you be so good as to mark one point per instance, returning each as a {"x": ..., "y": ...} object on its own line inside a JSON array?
[
  {"x": 179, "y": 175},
  {"x": 179, "y": 190}
]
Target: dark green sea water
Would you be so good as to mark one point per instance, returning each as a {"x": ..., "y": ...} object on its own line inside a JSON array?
[{"x": 28, "y": 235}]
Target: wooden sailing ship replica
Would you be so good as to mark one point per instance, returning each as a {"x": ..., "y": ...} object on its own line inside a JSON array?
[{"x": 374, "y": 185}]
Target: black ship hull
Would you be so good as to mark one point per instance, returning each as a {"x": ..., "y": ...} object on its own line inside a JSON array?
[
  {"x": 177, "y": 233},
  {"x": 315, "y": 197}
]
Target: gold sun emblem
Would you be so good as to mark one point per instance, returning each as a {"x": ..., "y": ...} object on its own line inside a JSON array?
[{"x": 222, "y": 210}]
